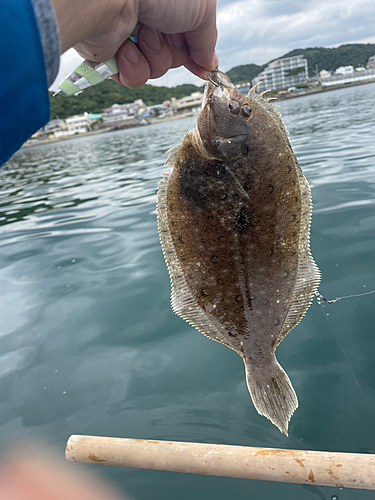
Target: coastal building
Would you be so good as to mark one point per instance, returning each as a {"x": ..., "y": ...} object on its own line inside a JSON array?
[
  {"x": 371, "y": 62},
  {"x": 53, "y": 126},
  {"x": 359, "y": 75},
  {"x": 283, "y": 73},
  {"x": 324, "y": 74},
  {"x": 78, "y": 124},
  {"x": 118, "y": 117},
  {"x": 159, "y": 110},
  {"x": 344, "y": 70},
  {"x": 132, "y": 109},
  {"x": 192, "y": 102}
]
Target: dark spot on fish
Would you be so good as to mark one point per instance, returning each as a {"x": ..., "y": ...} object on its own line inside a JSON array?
[
  {"x": 243, "y": 220},
  {"x": 285, "y": 273},
  {"x": 239, "y": 298},
  {"x": 172, "y": 223},
  {"x": 248, "y": 182},
  {"x": 171, "y": 207},
  {"x": 270, "y": 188},
  {"x": 214, "y": 259},
  {"x": 297, "y": 199},
  {"x": 270, "y": 252},
  {"x": 294, "y": 217},
  {"x": 204, "y": 292},
  {"x": 181, "y": 240},
  {"x": 277, "y": 322},
  {"x": 215, "y": 170},
  {"x": 196, "y": 196},
  {"x": 289, "y": 168}
]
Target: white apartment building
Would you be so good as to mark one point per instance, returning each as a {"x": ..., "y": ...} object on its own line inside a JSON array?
[
  {"x": 371, "y": 62},
  {"x": 344, "y": 70},
  {"x": 283, "y": 73},
  {"x": 191, "y": 102},
  {"x": 78, "y": 124}
]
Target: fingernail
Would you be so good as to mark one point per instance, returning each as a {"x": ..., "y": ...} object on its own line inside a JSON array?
[
  {"x": 131, "y": 54},
  {"x": 151, "y": 38},
  {"x": 178, "y": 40}
]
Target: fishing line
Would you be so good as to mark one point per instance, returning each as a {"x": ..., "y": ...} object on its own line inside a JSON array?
[{"x": 320, "y": 299}]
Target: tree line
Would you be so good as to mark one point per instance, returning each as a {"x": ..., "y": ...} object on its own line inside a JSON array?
[{"x": 99, "y": 97}]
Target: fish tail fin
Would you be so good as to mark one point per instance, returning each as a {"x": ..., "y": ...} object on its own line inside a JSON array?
[{"x": 271, "y": 391}]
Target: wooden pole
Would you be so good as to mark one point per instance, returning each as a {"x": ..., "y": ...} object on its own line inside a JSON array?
[{"x": 348, "y": 470}]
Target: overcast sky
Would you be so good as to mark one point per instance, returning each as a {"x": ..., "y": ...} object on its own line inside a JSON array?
[{"x": 256, "y": 31}]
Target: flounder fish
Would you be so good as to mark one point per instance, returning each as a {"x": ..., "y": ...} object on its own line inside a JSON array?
[{"x": 234, "y": 221}]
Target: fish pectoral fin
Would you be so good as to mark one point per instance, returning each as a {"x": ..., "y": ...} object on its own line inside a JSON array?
[{"x": 271, "y": 391}]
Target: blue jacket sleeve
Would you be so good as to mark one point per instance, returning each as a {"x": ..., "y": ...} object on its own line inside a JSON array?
[{"x": 24, "y": 101}]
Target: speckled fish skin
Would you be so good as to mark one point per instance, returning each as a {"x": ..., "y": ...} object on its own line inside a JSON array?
[{"x": 234, "y": 222}]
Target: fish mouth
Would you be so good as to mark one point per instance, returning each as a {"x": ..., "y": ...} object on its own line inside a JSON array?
[{"x": 218, "y": 86}]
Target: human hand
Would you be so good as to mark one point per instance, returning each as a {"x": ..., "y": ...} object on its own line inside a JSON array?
[
  {"x": 27, "y": 475},
  {"x": 171, "y": 33}
]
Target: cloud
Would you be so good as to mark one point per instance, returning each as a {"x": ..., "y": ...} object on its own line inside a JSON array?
[
  {"x": 259, "y": 30},
  {"x": 256, "y": 31}
]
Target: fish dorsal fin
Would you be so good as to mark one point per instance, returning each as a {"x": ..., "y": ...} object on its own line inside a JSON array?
[
  {"x": 308, "y": 274},
  {"x": 270, "y": 108}
]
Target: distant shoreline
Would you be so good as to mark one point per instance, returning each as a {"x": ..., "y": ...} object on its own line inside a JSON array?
[
  {"x": 104, "y": 130},
  {"x": 280, "y": 97},
  {"x": 318, "y": 90}
]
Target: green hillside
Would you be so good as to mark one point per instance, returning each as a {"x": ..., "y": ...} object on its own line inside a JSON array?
[
  {"x": 354, "y": 54},
  {"x": 244, "y": 73},
  {"x": 95, "y": 99}
]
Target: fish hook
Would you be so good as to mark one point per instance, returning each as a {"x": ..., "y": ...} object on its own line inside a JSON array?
[{"x": 214, "y": 83}]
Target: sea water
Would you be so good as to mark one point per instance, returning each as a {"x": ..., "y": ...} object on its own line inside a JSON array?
[{"x": 90, "y": 345}]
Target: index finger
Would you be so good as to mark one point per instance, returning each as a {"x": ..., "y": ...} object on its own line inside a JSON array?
[{"x": 201, "y": 41}]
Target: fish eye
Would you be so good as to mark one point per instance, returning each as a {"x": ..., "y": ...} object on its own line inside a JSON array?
[
  {"x": 234, "y": 107},
  {"x": 246, "y": 111}
]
